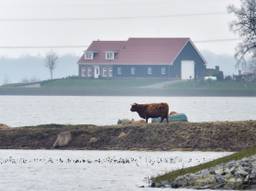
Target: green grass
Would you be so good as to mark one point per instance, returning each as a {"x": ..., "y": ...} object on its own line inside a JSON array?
[
  {"x": 82, "y": 82},
  {"x": 174, "y": 174},
  {"x": 213, "y": 85},
  {"x": 82, "y": 86},
  {"x": 76, "y": 82}
]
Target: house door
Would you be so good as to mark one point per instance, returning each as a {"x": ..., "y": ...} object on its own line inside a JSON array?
[
  {"x": 187, "y": 70},
  {"x": 96, "y": 71}
]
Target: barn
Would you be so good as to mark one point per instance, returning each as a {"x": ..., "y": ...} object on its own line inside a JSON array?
[{"x": 173, "y": 58}]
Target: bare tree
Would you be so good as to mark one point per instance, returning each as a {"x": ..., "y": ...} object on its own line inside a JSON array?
[
  {"x": 51, "y": 62},
  {"x": 252, "y": 65},
  {"x": 245, "y": 26}
]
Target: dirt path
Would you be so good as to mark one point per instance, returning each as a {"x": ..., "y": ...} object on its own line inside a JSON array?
[{"x": 161, "y": 85}]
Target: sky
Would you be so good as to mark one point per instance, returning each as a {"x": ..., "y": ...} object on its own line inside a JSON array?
[{"x": 49, "y": 23}]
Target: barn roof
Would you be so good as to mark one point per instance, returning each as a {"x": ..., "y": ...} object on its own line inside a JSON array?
[{"x": 138, "y": 51}]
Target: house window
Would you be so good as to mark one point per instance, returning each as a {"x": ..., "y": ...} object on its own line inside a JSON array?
[
  {"x": 163, "y": 70},
  {"x": 119, "y": 71},
  {"x": 149, "y": 71},
  {"x": 105, "y": 72},
  {"x": 110, "y": 72},
  {"x": 89, "y": 71},
  {"x": 83, "y": 72},
  {"x": 109, "y": 55},
  {"x": 132, "y": 71},
  {"x": 88, "y": 55}
]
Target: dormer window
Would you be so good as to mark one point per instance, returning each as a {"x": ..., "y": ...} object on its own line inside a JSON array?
[
  {"x": 88, "y": 55},
  {"x": 110, "y": 55}
]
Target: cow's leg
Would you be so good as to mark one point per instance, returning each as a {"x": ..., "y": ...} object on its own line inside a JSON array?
[
  {"x": 162, "y": 118},
  {"x": 167, "y": 119},
  {"x": 146, "y": 120}
]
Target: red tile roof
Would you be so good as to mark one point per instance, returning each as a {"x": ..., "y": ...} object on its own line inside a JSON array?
[{"x": 138, "y": 51}]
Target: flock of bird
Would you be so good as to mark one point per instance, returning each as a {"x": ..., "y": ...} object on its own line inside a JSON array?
[{"x": 108, "y": 160}]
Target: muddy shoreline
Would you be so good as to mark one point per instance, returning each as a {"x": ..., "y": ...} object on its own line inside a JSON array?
[{"x": 212, "y": 136}]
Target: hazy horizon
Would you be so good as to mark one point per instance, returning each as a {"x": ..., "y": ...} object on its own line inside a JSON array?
[{"x": 43, "y": 25}]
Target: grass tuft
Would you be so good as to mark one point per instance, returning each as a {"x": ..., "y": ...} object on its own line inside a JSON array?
[{"x": 236, "y": 156}]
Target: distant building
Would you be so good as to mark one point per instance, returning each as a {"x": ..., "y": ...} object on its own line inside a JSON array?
[
  {"x": 214, "y": 72},
  {"x": 174, "y": 58},
  {"x": 246, "y": 76}
]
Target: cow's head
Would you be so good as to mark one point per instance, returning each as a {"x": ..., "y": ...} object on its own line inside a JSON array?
[{"x": 134, "y": 107}]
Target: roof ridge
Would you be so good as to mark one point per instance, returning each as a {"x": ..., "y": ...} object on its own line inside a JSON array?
[
  {"x": 157, "y": 38},
  {"x": 109, "y": 41}
]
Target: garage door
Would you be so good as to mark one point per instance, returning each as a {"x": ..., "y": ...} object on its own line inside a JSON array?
[{"x": 187, "y": 69}]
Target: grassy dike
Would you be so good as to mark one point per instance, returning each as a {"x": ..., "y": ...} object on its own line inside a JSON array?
[
  {"x": 211, "y": 136},
  {"x": 174, "y": 174},
  {"x": 130, "y": 87}
]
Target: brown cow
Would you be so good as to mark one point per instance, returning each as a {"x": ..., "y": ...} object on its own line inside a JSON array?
[{"x": 152, "y": 110}]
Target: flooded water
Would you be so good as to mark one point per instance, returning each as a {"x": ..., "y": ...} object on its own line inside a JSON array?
[
  {"x": 33, "y": 110},
  {"x": 41, "y": 170}
]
